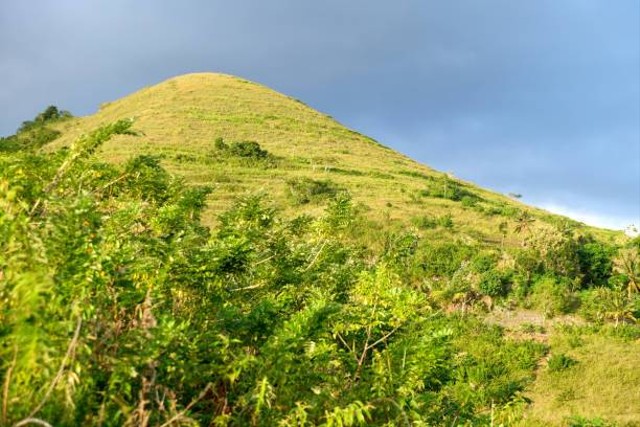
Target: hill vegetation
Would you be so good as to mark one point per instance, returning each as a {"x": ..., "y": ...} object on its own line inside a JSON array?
[
  {"x": 231, "y": 257},
  {"x": 184, "y": 119}
]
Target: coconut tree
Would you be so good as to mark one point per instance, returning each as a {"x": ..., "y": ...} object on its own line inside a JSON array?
[
  {"x": 523, "y": 224},
  {"x": 503, "y": 227},
  {"x": 627, "y": 263},
  {"x": 614, "y": 305}
]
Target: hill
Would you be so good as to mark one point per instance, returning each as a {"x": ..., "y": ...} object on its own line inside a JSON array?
[
  {"x": 231, "y": 257},
  {"x": 312, "y": 156}
]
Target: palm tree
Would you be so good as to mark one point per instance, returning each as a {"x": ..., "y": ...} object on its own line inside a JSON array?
[
  {"x": 615, "y": 306},
  {"x": 627, "y": 263},
  {"x": 523, "y": 224},
  {"x": 503, "y": 227}
]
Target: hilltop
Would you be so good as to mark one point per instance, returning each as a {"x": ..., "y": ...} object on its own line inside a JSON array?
[{"x": 311, "y": 156}]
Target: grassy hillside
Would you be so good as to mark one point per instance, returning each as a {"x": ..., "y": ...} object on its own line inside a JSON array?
[
  {"x": 231, "y": 257},
  {"x": 311, "y": 156}
]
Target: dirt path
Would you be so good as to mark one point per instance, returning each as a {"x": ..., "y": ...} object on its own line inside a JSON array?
[{"x": 529, "y": 324}]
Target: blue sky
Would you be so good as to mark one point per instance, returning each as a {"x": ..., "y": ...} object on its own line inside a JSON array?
[{"x": 537, "y": 97}]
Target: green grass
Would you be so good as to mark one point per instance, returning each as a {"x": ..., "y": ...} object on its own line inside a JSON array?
[
  {"x": 603, "y": 382},
  {"x": 587, "y": 374},
  {"x": 181, "y": 118}
]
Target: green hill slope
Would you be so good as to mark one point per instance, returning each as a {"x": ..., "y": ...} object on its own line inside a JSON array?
[
  {"x": 134, "y": 296},
  {"x": 312, "y": 156}
]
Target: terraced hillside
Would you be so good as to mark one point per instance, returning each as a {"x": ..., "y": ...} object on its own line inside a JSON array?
[{"x": 310, "y": 157}]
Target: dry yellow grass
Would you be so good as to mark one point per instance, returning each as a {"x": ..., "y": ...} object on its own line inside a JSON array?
[
  {"x": 603, "y": 384},
  {"x": 183, "y": 116}
]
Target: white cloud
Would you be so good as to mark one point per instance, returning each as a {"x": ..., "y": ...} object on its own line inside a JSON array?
[{"x": 612, "y": 222}]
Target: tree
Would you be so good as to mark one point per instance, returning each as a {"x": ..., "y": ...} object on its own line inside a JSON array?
[
  {"x": 627, "y": 263},
  {"x": 503, "y": 227},
  {"x": 523, "y": 225}
]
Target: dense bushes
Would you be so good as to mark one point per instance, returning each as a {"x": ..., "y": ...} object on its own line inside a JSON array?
[
  {"x": 245, "y": 153},
  {"x": 551, "y": 296},
  {"x": 596, "y": 262},
  {"x": 425, "y": 222},
  {"x": 49, "y": 115},
  {"x": 306, "y": 190},
  {"x": 610, "y": 304},
  {"x": 494, "y": 283},
  {"x": 120, "y": 308},
  {"x": 34, "y": 134},
  {"x": 446, "y": 188},
  {"x": 246, "y": 149}
]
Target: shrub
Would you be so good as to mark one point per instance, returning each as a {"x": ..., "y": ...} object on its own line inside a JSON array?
[
  {"x": 445, "y": 221},
  {"x": 424, "y": 222},
  {"x": 249, "y": 149},
  {"x": 494, "y": 283},
  {"x": 560, "y": 362},
  {"x": 484, "y": 261},
  {"x": 551, "y": 296},
  {"x": 220, "y": 144},
  {"x": 307, "y": 190},
  {"x": 605, "y": 304},
  {"x": 444, "y": 259},
  {"x": 446, "y": 188},
  {"x": 502, "y": 210},
  {"x": 243, "y": 149},
  {"x": 146, "y": 178},
  {"x": 596, "y": 263},
  {"x": 49, "y": 115},
  {"x": 38, "y": 136},
  {"x": 469, "y": 201},
  {"x": 33, "y": 134},
  {"x": 9, "y": 144}
]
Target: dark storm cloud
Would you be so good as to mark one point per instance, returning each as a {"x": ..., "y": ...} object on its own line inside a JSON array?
[{"x": 541, "y": 98}]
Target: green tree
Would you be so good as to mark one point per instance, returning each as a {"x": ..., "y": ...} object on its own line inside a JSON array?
[
  {"x": 627, "y": 264},
  {"x": 524, "y": 221}
]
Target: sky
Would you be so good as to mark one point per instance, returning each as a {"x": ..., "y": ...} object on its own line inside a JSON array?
[{"x": 540, "y": 98}]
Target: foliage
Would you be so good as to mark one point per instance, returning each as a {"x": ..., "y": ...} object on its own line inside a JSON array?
[
  {"x": 425, "y": 222},
  {"x": 33, "y": 134},
  {"x": 596, "y": 262},
  {"x": 443, "y": 258},
  {"x": 559, "y": 362},
  {"x": 246, "y": 149},
  {"x": 121, "y": 308},
  {"x": 602, "y": 304},
  {"x": 447, "y": 188},
  {"x": 49, "y": 115},
  {"x": 307, "y": 190},
  {"x": 494, "y": 283},
  {"x": 551, "y": 296},
  {"x": 484, "y": 261},
  {"x": 627, "y": 265},
  {"x": 445, "y": 221}
]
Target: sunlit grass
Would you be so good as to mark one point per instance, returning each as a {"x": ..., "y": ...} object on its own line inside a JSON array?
[
  {"x": 604, "y": 383},
  {"x": 180, "y": 120},
  {"x": 183, "y": 116}
]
